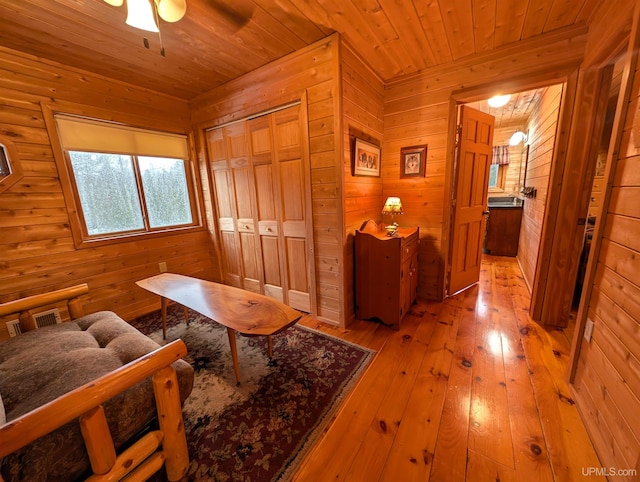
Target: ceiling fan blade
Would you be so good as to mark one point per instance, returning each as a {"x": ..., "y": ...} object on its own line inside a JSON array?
[{"x": 235, "y": 12}]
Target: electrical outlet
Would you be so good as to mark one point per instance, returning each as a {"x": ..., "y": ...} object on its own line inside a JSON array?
[
  {"x": 163, "y": 266},
  {"x": 588, "y": 330}
]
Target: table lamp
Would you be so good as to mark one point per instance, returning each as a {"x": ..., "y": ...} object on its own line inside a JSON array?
[{"x": 392, "y": 206}]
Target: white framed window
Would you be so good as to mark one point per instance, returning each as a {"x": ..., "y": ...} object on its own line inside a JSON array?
[
  {"x": 126, "y": 181},
  {"x": 10, "y": 168},
  {"x": 497, "y": 177},
  {"x": 5, "y": 166}
]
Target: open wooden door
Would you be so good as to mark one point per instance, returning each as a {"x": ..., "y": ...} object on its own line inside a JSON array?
[{"x": 470, "y": 204}]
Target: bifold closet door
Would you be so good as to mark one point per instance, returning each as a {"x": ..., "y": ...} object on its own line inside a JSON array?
[
  {"x": 289, "y": 159},
  {"x": 267, "y": 208},
  {"x": 233, "y": 184},
  {"x": 225, "y": 209},
  {"x": 261, "y": 183}
]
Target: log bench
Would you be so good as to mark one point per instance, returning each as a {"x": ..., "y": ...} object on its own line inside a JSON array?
[{"x": 73, "y": 395}]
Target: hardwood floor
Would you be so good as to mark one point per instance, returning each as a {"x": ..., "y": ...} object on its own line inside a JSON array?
[{"x": 468, "y": 389}]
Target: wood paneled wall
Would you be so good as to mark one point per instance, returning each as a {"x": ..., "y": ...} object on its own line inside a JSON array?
[
  {"x": 607, "y": 378},
  {"x": 417, "y": 111},
  {"x": 37, "y": 252},
  {"x": 542, "y": 127},
  {"x": 316, "y": 71},
  {"x": 362, "y": 93}
]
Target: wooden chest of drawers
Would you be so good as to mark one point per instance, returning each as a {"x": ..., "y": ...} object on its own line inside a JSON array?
[{"x": 386, "y": 273}]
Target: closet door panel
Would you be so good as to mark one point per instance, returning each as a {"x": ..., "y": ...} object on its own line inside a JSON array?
[
  {"x": 268, "y": 229},
  {"x": 264, "y": 193},
  {"x": 298, "y": 282},
  {"x": 266, "y": 189},
  {"x": 226, "y": 226},
  {"x": 244, "y": 205},
  {"x": 272, "y": 267},
  {"x": 294, "y": 229},
  {"x": 231, "y": 254},
  {"x": 250, "y": 262}
]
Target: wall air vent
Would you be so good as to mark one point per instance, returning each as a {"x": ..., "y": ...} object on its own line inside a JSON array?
[{"x": 44, "y": 318}]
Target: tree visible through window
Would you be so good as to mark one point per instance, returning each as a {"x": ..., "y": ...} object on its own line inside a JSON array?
[
  {"x": 496, "y": 176},
  {"x": 121, "y": 193},
  {"x": 125, "y": 180},
  {"x": 165, "y": 188},
  {"x": 493, "y": 175}
]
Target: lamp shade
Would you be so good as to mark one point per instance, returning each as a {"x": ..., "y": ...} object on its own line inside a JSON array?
[
  {"x": 172, "y": 10},
  {"x": 392, "y": 205},
  {"x": 115, "y": 3},
  {"x": 517, "y": 138},
  {"x": 140, "y": 15}
]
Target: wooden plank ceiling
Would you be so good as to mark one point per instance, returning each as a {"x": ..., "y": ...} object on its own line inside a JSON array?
[
  {"x": 515, "y": 112},
  {"x": 219, "y": 40}
]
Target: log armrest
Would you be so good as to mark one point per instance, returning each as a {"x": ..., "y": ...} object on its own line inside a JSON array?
[{"x": 166, "y": 446}]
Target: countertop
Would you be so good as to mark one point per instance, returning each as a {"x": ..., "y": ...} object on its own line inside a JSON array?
[{"x": 504, "y": 202}]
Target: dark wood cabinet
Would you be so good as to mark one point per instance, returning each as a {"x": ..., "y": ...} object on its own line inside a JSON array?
[
  {"x": 386, "y": 273},
  {"x": 503, "y": 231}
]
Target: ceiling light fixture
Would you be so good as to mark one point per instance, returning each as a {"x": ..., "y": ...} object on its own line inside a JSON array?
[
  {"x": 499, "y": 100},
  {"x": 145, "y": 14},
  {"x": 140, "y": 15},
  {"x": 171, "y": 10}
]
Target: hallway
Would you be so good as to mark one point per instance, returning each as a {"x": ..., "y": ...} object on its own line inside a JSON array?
[{"x": 468, "y": 389}]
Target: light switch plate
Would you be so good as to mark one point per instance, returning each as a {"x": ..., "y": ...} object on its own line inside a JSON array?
[{"x": 588, "y": 330}]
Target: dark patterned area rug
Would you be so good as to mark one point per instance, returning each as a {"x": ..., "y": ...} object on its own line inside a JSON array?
[{"x": 261, "y": 430}]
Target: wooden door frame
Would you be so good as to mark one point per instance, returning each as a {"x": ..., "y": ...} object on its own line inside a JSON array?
[
  {"x": 568, "y": 76},
  {"x": 613, "y": 153},
  {"x": 552, "y": 305}
]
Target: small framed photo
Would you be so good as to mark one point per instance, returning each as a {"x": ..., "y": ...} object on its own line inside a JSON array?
[
  {"x": 366, "y": 159},
  {"x": 413, "y": 161}
]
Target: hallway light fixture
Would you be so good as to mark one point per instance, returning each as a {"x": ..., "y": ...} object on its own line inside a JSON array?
[
  {"x": 497, "y": 100},
  {"x": 517, "y": 137}
]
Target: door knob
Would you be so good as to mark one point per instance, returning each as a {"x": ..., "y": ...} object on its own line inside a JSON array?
[{"x": 485, "y": 213}]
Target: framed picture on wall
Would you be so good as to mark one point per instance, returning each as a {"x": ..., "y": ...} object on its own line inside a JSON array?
[
  {"x": 366, "y": 159},
  {"x": 413, "y": 161}
]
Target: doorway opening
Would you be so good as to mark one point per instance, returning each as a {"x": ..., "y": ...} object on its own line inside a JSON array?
[
  {"x": 598, "y": 182},
  {"x": 519, "y": 173}
]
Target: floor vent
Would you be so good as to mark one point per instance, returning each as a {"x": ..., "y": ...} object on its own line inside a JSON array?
[{"x": 45, "y": 318}]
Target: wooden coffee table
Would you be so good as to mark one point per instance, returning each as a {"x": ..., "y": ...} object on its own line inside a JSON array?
[{"x": 239, "y": 310}]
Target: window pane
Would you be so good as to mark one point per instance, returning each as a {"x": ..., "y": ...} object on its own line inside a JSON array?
[
  {"x": 5, "y": 167},
  {"x": 493, "y": 175},
  {"x": 108, "y": 192},
  {"x": 165, "y": 190}
]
